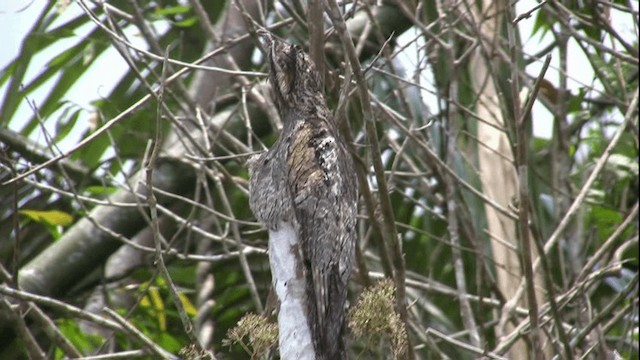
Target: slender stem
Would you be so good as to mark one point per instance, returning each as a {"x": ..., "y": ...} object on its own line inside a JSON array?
[
  {"x": 132, "y": 330},
  {"x": 450, "y": 138},
  {"x": 522, "y": 147}
]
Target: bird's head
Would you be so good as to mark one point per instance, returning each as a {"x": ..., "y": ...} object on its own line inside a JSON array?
[{"x": 292, "y": 73}]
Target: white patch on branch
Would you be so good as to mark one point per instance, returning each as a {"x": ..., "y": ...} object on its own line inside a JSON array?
[{"x": 285, "y": 256}]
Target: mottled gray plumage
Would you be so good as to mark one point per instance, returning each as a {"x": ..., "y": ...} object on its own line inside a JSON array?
[{"x": 308, "y": 178}]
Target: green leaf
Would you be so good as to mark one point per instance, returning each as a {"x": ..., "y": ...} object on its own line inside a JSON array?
[
  {"x": 39, "y": 38},
  {"x": 82, "y": 341},
  {"x": 13, "y": 95},
  {"x": 93, "y": 151},
  {"x": 66, "y": 123},
  {"x": 71, "y": 73},
  {"x": 64, "y": 58},
  {"x": 630, "y": 255},
  {"x": 7, "y": 72},
  {"x": 49, "y": 217},
  {"x": 188, "y": 22},
  {"x": 541, "y": 24},
  {"x": 100, "y": 190},
  {"x": 605, "y": 221},
  {"x": 173, "y": 10},
  {"x": 168, "y": 342},
  {"x": 575, "y": 102},
  {"x": 187, "y": 304},
  {"x": 154, "y": 302}
]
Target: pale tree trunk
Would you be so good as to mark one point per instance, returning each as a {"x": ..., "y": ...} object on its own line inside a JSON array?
[
  {"x": 497, "y": 171},
  {"x": 285, "y": 258}
]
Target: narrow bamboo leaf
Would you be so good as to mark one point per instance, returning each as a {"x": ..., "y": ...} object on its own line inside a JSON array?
[
  {"x": 186, "y": 303},
  {"x": 188, "y": 22},
  {"x": 51, "y": 217},
  {"x": 158, "y": 306},
  {"x": 541, "y": 24},
  {"x": 69, "y": 77},
  {"x": 66, "y": 123},
  {"x": 100, "y": 190},
  {"x": 7, "y": 72},
  {"x": 173, "y": 10},
  {"x": 13, "y": 95},
  {"x": 169, "y": 342},
  {"x": 89, "y": 53},
  {"x": 38, "y": 39},
  {"x": 65, "y": 57},
  {"x": 94, "y": 151},
  {"x": 83, "y": 341}
]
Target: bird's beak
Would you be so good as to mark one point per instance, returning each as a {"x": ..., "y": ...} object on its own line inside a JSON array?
[{"x": 266, "y": 39}]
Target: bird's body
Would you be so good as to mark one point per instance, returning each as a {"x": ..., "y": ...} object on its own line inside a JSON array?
[{"x": 307, "y": 178}]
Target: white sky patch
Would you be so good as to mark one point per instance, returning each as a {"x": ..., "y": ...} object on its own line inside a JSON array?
[
  {"x": 419, "y": 70},
  {"x": 103, "y": 75},
  {"x": 98, "y": 81},
  {"x": 579, "y": 70}
]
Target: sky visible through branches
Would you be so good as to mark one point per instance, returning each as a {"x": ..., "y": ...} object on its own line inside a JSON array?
[{"x": 15, "y": 21}]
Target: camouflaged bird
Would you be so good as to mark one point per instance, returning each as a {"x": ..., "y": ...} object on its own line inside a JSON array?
[{"x": 307, "y": 178}]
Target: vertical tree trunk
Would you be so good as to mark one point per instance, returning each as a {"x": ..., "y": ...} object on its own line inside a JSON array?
[
  {"x": 285, "y": 257},
  {"x": 496, "y": 163}
]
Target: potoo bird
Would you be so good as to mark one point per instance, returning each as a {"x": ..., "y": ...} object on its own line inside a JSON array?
[{"x": 308, "y": 178}]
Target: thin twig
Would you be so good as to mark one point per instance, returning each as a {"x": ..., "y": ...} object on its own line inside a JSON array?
[
  {"x": 606, "y": 312},
  {"x": 52, "y": 330},
  {"x": 473, "y": 349},
  {"x": 30, "y": 344},
  {"x": 451, "y": 195},
  {"x": 60, "y": 306},
  {"x": 522, "y": 153},
  {"x": 152, "y": 346},
  {"x": 131, "y": 354},
  {"x": 528, "y": 14},
  {"x": 244, "y": 264},
  {"x": 608, "y": 244}
]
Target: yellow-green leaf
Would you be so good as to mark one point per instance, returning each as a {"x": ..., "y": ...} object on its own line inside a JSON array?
[
  {"x": 158, "y": 304},
  {"x": 145, "y": 302},
  {"x": 51, "y": 217},
  {"x": 186, "y": 303}
]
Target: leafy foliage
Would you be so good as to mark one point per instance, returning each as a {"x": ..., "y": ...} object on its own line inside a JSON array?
[{"x": 190, "y": 130}]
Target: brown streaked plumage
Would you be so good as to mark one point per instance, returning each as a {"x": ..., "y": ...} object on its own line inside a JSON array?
[{"x": 308, "y": 178}]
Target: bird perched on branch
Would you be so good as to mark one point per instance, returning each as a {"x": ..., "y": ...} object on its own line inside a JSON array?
[{"x": 308, "y": 179}]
